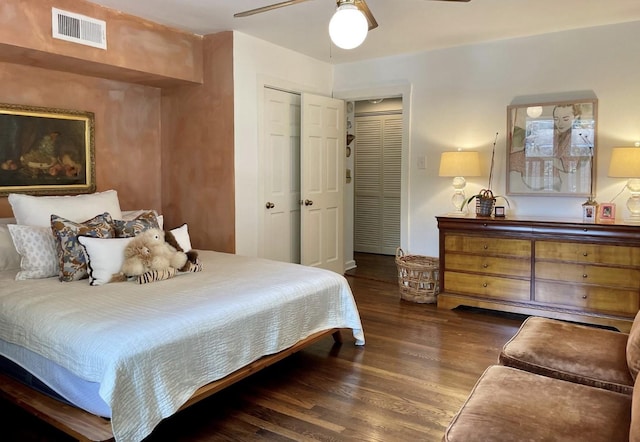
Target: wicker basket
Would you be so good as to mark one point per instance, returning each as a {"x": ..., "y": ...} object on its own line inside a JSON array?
[
  {"x": 484, "y": 203},
  {"x": 418, "y": 277}
]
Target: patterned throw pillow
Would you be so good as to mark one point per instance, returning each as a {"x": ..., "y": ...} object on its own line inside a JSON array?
[
  {"x": 37, "y": 247},
  {"x": 71, "y": 257},
  {"x": 127, "y": 229}
]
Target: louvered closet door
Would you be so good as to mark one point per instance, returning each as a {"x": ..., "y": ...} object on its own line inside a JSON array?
[{"x": 378, "y": 149}]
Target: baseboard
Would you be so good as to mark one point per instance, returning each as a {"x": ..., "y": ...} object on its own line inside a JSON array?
[{"x": 350, "y": 265}]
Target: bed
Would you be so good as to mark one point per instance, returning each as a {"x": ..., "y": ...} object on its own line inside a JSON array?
[{"x": 138, "y": 353}]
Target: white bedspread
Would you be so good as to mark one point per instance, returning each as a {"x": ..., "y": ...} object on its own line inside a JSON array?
[{"x": 151, "y": 346}]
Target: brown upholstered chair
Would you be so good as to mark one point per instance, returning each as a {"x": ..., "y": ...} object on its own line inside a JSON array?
[
  {"x": 559, "y": 381},
  {"x": 575, "y": 353},
  {"x": 511, "y": 405}
]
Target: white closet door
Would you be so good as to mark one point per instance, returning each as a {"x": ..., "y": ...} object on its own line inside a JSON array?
[
  {"x": 323, "y": 138},
  {"x": 378, "y": 150},
  {"x": 280, "y": 237}
]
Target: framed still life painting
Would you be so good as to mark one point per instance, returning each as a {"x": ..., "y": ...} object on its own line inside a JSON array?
[{"x": 46, "y": 151}]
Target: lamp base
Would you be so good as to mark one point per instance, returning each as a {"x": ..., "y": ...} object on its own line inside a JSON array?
[
  {"x": 458, "y": 198},
  {"x": 633, "y": 203}
]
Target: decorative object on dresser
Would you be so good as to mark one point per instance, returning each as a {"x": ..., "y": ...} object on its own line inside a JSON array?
[
  {"x": 485, "y": 200},
  {"x": 551, "y": 148},
  {"x": 458, "y": 165},
  {"x": 559, "y": 269},
  {"x": 606, "y": 213},
  {"x": 625, "y": 163},
  {"x": 46, "y": 151},
  {"x": 589, "y": 211}
]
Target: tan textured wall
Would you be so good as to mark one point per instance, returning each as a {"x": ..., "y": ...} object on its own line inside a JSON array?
[
  {"x": 198, "y": 151},
  {"x": 127, "y": 126},
  {"x": 137, "y": 50},
  {"x": 169, "y": 149}
]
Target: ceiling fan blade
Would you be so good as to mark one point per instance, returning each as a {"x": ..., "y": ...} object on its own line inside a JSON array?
[
  {"x": 268, "y": 8},
  {"x": 362, "y": 5}
]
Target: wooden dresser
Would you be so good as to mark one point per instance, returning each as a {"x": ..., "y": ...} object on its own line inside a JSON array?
[{"x": 555, "y": 268}]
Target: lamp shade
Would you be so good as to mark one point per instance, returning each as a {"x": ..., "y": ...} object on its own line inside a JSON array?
[
  {"x": 348, "y": 27},
  {"x": 460, "y": 163},
  {"x": 625, "y": 162}
]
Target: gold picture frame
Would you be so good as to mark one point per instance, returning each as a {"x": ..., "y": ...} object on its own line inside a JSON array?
[
  {"x": 46, "y": 151},
  {"x": 551, "y": 148}
]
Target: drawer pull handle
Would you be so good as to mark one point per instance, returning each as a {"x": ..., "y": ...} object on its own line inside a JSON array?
[
  {"x": 485, "y": 247},
  {"x": 484, "y": 266},
  {"x": 584, "y": 275},
  {"x": 484, "y": 224},
  {"x": 585, "y": 254},
  {"x": 584, "y": 296},
  {"x": 484, "y": 284},
  {"x": 586, "y": 230}
]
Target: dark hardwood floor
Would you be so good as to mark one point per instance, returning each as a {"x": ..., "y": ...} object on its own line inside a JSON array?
[
  {"x": 376, "y": 267},
  {"x": 416, "y": 369}
]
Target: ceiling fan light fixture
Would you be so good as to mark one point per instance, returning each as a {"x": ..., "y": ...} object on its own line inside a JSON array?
[{"x": 348, "y": 27}]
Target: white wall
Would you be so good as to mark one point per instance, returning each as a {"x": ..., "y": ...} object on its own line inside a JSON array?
[
  {"x": 257, "y": 63},
  {"x": 459, "y": 98}
]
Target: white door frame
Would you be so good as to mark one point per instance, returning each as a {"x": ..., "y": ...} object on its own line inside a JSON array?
[
  {"x": 371, "y": 92},
  {"x": 404, "y": 91}
]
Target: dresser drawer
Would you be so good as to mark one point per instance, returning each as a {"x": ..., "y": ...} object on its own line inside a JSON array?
[
  {"x": 588, "y": 253},
  {"x": 615, "y": 277},
  {"x": 604, "y": 299},
  {"x": 488, "y": 264},
  {"x": 487, "y": 286},
  {"x": 488, "y": 245}
]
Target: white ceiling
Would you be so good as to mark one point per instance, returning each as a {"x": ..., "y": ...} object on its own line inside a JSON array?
[{"x": 405, "y": 26}]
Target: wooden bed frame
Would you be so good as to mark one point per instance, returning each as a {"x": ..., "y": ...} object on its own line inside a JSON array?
[{"x": 85, "y": 426}]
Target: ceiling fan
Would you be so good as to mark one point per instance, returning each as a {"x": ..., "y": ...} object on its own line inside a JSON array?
[{"x": 347, "y": 27}]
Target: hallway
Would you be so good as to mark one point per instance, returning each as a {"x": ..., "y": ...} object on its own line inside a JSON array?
[{"x": 375, "y": 267}]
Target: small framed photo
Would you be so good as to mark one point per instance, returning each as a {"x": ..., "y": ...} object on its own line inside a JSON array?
[
  {"x": 499, "y": 212},
  {"x": 589, "y": 213},
  {"x": 607, "y": 213}
]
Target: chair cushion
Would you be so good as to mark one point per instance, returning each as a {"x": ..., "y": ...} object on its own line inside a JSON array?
[
  {"x": 572, "y": 352},
  {"x": 634, "y": 431},
  {"x": 633, "y": 347},
  {"x": 507, "y": 405}
]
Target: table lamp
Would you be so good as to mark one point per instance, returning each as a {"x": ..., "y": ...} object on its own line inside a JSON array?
[
  {"x": 458, "y": 165},
  {"x": 625, "y": 163}
]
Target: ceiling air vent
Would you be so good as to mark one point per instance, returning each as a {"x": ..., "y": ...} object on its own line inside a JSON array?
[{"x": 79, "y": 28}]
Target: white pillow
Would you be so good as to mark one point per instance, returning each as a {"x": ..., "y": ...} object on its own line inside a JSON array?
[
  {"x": 181, "y": 234},
  {"x": 37, "y": 210},
  {"x": 37, "y": 247},
  {"x": 9, "y": 257},
  {"x": 105, "y": 257}
]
